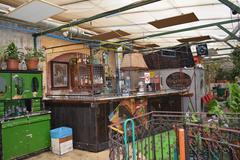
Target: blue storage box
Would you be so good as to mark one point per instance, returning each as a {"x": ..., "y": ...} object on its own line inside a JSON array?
[{"x": 61, "y": 132}]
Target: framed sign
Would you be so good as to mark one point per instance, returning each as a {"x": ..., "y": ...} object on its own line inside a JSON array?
[
  {"x": 59, "y": 75},
  {"x": 147, "y": 77},
  {"x": 178, "y": 81}
]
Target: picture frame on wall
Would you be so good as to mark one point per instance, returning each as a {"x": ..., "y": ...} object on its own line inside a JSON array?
[{"x": 59, "y": 75}]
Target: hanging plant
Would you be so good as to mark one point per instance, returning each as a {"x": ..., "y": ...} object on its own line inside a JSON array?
[{"x": 233, "y": 101}]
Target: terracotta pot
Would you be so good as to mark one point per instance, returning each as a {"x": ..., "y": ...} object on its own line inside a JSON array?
[
  {"x": 12, "y": 64},
  {"x": 32, "y": 64}
]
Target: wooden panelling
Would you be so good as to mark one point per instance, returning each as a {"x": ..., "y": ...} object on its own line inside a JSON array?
[
  {"x": 151, "y": 45},
  {"x": 111, "y": 35},
  {"x": 89, "y": 124},
  {"x": 194, "y": 39},
  {"x": 172, "y": 21}
]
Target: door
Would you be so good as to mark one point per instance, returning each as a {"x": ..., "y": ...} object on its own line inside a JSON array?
[
  {"x": 5, "y": 86},
  {"x": 36, "y": 105},
  {"x": 36, "y": 85},
  {"x": 14, "y": 140},
  {"x": 19, "y": 82},
  {"x": 39, "y": 133}
]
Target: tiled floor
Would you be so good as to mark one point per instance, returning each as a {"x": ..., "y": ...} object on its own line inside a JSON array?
[{"x": 74, "y": 155}]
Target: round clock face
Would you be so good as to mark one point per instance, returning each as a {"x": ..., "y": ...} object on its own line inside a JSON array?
[{"x": 202, "y": 50}]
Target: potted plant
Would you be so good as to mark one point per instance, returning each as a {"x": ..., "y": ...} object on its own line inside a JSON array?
[
  {"x": 33, "y": 57},
  {"x": 13, "y": 56}
]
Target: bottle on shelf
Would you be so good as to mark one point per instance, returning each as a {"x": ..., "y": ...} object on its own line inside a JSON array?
[
  {"x": 81, "y": 80},
  {"x": 86, "y": 80}
]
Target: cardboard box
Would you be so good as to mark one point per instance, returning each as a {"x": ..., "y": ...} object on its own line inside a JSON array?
[
  {"x": 61, "y": 146},
  {"x": 61, "y": 140}
]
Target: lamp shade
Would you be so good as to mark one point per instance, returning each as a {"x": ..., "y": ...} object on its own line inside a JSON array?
[{"x": 133, "y": 61}]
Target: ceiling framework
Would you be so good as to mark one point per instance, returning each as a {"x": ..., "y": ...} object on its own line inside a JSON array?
[
  {"x": 231, "y": 5},
  {"x": 135, "y": 21},
  {"x": 101, "y": 15},
  {"x": 182, "y": 30}
]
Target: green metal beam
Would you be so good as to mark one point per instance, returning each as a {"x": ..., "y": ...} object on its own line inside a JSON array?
[
  {"x": 228, "y": 32},
  {"x": 191, "y": 44},
  {"x": 101, "y": 15},
  {"x": 222, "y": 49},
  {"x": 182, "y": 30},
  {"x": 229, "y": 45},
  {"x": 231, "y": 5}
]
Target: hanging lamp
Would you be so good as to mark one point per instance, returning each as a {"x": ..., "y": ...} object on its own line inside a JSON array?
[{"x": 133, "y": 61}]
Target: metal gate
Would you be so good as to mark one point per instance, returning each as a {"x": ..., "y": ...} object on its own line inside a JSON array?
[{"x": 155, "y": 137}]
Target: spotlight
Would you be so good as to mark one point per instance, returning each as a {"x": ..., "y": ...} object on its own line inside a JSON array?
[{"x": 234, "y": 12}]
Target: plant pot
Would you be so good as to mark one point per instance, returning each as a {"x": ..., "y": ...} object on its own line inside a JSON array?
[
  {"x": 12, "y": 64},
  {"x": 32, "y": 64}
]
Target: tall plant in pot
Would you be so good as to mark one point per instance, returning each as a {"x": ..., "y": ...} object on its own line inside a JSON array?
[
  {"x": 12, "y": 55},
  {"x": 33, "y": 57}
]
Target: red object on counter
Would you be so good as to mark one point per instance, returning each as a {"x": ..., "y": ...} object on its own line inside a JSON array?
[
  {"x": 207, "y": 98},
  {"x": 197, "y": 59}
]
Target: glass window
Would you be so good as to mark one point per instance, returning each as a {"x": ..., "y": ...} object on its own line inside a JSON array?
[
  {"x": 35, "y": 84},
  {"x": 19, "y": 85},
  {"x": 3, "y": 86}
]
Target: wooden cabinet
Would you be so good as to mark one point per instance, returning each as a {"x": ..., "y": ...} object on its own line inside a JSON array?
[
  {"x": 86, "y": 77},
  {"x": 24, "y": 127},
  {"x": 23, "y": 136}
]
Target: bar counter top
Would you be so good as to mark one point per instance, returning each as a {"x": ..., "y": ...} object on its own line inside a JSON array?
[{"x": 112, "y": 97}]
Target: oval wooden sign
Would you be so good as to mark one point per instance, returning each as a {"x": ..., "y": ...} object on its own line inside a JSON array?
[{"x": 178, "y": 80}]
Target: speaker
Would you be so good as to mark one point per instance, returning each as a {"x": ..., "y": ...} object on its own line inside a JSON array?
[{"x": 202, "y": 49}]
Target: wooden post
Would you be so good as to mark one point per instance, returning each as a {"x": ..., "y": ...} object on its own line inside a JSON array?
[{"x": 181, "y": 138}]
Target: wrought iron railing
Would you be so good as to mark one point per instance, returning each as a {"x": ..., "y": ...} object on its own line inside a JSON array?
[
  {"x": 212, "y": 143},
  {"x": 156, "y": 137}
]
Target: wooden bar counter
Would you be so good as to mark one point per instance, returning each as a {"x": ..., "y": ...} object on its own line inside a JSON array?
[{"x": 88, "y": 115}]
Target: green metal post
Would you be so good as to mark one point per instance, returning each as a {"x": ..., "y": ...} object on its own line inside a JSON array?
[
  {"x": 101, "y": 15},
  {"x": 231, "y": 5},
  {"x": 222, "y": 49},
  {"x": 126, "y": 139},
  {"x": 35, "y": 42},
  {"x": 228, "y": 32},
  {"x": 182, "y": 30}
]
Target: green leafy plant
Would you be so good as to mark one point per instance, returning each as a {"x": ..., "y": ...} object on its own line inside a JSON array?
[
  {"x": 235, "y": 56},
  {"x": 223, "y": 74},
  {"x": 12, "y": 52},
  {"x": 233, "y": 101},
  {"x": 215, "y": 108},
  {"x": 219, "y": 117},
  {"x": 211, "y": 70},
  {"x": 33, "y": 53}
]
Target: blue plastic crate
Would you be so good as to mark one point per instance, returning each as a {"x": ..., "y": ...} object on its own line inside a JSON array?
[{"x": 61, "y": 132}]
